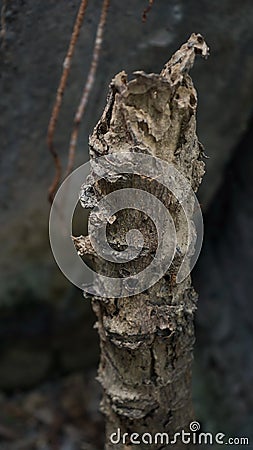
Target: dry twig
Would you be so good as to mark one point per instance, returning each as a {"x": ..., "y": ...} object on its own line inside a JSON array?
[
  {"x": 146, "y": 10},
  {"x": 88, "y": 85},
  {"x": 59, "y": 96}
]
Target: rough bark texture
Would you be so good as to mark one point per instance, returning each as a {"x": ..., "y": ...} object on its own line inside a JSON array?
[{"x": 147, "y": 339}]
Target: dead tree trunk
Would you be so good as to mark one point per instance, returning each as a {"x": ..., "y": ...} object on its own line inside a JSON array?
[{"x": 147, "y": 339}]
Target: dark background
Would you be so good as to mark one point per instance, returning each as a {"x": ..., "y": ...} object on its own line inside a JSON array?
[{"x": 48, "y": 348}]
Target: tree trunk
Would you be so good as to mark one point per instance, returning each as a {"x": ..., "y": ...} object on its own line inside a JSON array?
[{"x": 147, "y": 338}]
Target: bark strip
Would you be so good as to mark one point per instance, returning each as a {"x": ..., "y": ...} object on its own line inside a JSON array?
[{"x": 147, "y": 339}]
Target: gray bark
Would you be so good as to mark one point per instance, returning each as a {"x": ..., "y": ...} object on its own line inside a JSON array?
[{"x": 147, "y": 339}]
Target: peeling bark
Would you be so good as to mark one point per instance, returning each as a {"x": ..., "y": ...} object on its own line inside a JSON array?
[{"x": 147, "y": 339}]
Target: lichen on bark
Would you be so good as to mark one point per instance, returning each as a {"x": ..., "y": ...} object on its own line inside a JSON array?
[{"x": 147, "y": 339}]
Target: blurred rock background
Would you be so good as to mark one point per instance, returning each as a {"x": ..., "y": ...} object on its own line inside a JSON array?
[{"x": 46, "y": 327}]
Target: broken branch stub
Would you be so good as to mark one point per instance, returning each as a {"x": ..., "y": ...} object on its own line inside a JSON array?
[{"x": 147, "y": 339}]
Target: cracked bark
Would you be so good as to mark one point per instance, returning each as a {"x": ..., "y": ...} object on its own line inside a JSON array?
[{"x": 147, "y": 339}]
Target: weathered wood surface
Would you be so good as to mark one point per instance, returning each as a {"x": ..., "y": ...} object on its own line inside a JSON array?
[{"x": 147, "y": 339}]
